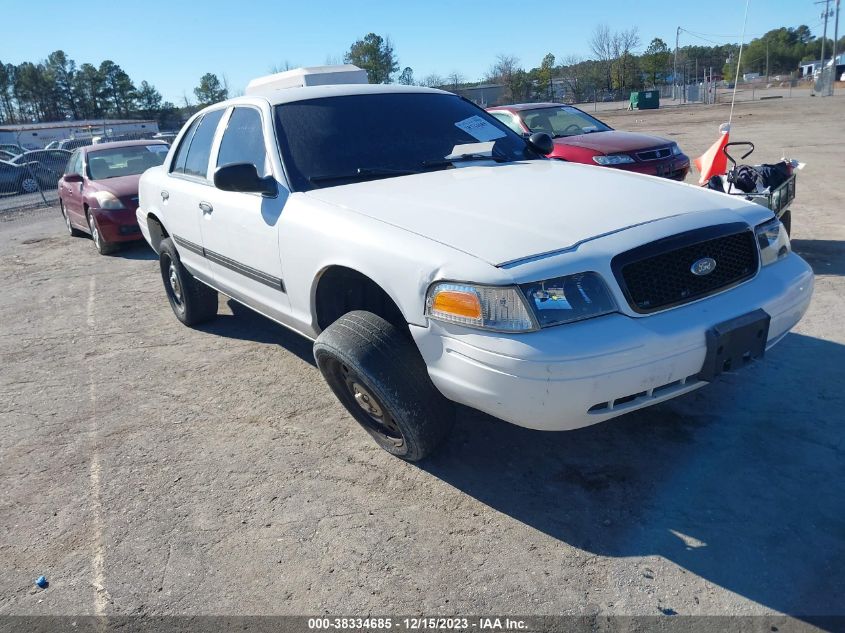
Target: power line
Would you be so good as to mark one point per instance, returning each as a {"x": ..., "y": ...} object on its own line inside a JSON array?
[
  {"x": 696, "y": 33},
  {"x": 704, "y": 38}
]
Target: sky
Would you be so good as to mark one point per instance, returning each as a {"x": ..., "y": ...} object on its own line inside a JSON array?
[{"x": 172, "y": 43}]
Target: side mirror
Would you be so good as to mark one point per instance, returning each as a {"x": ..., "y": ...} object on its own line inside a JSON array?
[
  {"x": 243, "y": 177},
  {"x": 541, "y": 143},
  {"x": 72, "y": 177}
]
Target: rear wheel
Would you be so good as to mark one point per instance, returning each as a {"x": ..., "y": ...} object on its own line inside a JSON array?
[
  {"x": 28, "y": 184},
  {"x": 377, "y": 373},
  {"x": 103, "y": 247},
  {"x": 192, "y": 301}
]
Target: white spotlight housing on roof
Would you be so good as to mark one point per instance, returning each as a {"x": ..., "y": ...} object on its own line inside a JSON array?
[{"x": 311, "y": 76}]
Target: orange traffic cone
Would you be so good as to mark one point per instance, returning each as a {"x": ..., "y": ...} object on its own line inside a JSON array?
[{"x": 713, "y": 162}]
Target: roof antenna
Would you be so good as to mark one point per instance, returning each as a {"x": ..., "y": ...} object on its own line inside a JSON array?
[{"x": 739, "y": 61}]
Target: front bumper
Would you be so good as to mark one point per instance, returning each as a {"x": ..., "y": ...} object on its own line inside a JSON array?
[
  {"x": 674, "y": 168},
  {"x": 118, "y": 225},
  {"x": 571, "y": 376}
]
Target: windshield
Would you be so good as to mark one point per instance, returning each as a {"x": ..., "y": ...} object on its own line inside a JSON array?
[
  {"x": 338, "y": 140},
  {"x": 560, "y": 121},
  {"x": 124, "y": 161}
]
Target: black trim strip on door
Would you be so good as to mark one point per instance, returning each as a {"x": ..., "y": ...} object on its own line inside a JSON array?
[
  {"x": 191, "y": 246},
  {"x": 231, "y": 264}
]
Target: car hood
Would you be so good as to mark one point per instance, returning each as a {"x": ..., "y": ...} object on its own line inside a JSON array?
[
  {"x": 505, "y": 212},
  {"x": 613, "y": 141},
  {"x": 121, "y": 186}
]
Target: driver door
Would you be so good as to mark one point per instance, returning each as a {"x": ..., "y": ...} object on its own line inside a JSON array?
[
  {"x": 240, "y": 230},
  {"x": 71, "y": 192}
]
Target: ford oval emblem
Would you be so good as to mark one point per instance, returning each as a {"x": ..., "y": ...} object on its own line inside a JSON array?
[{"x": 703, "y": 266}]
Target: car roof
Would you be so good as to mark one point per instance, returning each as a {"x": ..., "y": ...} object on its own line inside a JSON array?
[
  {"x": 517, "y": 107},
  {"x": 288, "y": 95},
  {"x": 87, "y": 149}
]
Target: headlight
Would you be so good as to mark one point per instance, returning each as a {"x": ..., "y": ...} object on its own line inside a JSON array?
[
  {"x": 570, "y": 298},
  {"x": 107, "y": 200},
  {"x": 773, "y": 241},
  {"x": 521, "y": 309},
  {"x": 676, "y": 151},
  {"x": 613, "y": 159},
  {"x": 499, "y": 308}
]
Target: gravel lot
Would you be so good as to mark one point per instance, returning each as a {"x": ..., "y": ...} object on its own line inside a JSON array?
[{"x": 147, "y": 468}]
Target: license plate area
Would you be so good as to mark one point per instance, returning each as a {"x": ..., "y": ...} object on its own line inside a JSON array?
[{"x": 733, "y": 344}]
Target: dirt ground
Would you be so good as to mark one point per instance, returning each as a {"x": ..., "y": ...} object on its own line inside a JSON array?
[{"x": 147, "y": 468}]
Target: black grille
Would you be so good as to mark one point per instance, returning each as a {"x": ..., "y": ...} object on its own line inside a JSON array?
[
  {"x": 655, "y": 154},
  {"x": 658, "y": 275}
]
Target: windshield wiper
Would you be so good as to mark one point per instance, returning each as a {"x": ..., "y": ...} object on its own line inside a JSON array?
[
  {"x": 364, "y": 172},
  {"x": 445, "y": 162}
]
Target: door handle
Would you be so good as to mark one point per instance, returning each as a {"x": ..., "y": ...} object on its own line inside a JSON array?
[
  {"x": 206, "y": 207},
  {"x": 165, "y": 195}
]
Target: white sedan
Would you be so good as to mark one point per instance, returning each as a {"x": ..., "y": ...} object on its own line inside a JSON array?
[{"x": 435, "y": 256}]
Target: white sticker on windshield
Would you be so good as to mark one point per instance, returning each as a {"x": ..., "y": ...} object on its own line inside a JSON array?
[
  {"x": 480, "y": 129},
  {"x": 158, "y": 149}
]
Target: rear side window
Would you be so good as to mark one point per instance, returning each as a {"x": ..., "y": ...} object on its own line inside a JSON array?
[
  {"x": 243, "y": 140},
  {"x": 507, "y": 119},
  {"x": 178, "y": 165},
  {"x": 197, "y": 162}
]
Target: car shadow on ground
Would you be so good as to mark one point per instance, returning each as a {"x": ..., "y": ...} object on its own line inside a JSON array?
[
  {"x": 827, "y": 257},
  {"x": 247, "y": 325},
  {"x": 734, "y": 482},
  {"x": 136, "y": 250}
]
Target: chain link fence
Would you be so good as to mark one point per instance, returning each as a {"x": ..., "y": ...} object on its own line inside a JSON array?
[{"x": 29, "y": 178}]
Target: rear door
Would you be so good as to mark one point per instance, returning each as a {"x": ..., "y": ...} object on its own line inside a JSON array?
[
  {"x": 241, "y": 232},
  {"x": 186, "y": 188}
]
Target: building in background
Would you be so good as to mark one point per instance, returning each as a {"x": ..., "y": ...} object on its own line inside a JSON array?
[
  {"x": 808, "y": 69},
  {"x": 39, "y": 135}
]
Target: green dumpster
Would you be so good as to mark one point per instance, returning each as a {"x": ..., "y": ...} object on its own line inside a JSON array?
[{"x": 645, "y": 100}]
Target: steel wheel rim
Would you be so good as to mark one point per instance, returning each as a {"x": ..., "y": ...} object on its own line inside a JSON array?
[
  {"x": 174, "y": 287},
  {"x": 95, "y": 234},
  {"x": 29, "y": 185},
  {"x": 377, "y": 417}
]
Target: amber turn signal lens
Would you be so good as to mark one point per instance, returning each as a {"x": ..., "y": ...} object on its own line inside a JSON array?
[{"x": 462, "y": 304}]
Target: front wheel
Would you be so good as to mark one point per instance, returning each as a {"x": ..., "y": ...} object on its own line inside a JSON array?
[
  {"x": 786, "y": 220},
  {"x": 103, "y": 247},
  {"x": 72, "y": 231},
  {"x": 192, "y": 301},
  {"x": 377, "y": 373}
]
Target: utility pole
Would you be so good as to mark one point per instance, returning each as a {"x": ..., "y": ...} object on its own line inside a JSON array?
[
  {"x": 675, "y": 69},
  {"x": 835, "y": 40},
  {"x": 826, "y": 4},
  {"x": 767, "y": 60}
]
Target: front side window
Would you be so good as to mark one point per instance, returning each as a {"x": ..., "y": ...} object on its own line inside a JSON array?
[
  {"x": 561, "y": 121},
  {"x": 196, "y": 164},
  {"x": 243, "y": 140},
  {"x": 337, "y": 140},
  {"x": 124, "y": 161}
]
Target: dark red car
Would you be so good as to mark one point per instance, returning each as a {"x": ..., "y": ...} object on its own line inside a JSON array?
[
  {"x": 98, "y": 193},
  {"x": 581, "y": 138}
]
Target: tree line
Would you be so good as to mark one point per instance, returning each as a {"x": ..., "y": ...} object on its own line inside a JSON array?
[
  {"x": 56, "y": 89},
  {"x": 616, "y": 64}
]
